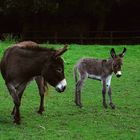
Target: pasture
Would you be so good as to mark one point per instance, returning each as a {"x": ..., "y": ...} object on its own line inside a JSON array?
[{"x": 62, "y": 119}]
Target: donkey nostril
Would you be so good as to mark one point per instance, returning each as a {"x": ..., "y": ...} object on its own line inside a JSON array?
[
  {"x": 62, "y": 89},
  {"x": 61, "y": 86},
  {"x": 118, "y": 75}
]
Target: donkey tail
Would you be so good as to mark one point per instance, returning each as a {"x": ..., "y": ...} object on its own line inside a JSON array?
[{"x": 75, "y": 73}]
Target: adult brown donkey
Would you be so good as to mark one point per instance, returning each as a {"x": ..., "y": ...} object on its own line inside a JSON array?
[
  {"x": 22, "y": 62},
  {"x": 39, "y": 79},
  {"x": 99, "y": 70}
]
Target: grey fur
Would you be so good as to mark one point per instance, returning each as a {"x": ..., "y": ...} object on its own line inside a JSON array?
[{"x": 98, "y": 69}]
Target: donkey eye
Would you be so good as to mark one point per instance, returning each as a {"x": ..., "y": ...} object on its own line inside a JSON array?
[
  {"x": 115, "y": 66},
  {"x": 59, "y": 70}
]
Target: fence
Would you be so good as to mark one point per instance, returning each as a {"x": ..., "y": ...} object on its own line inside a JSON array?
[{"x": 92, "y": 37}]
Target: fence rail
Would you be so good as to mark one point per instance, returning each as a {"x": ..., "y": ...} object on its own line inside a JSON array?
[{"x": 92, "y": 37}]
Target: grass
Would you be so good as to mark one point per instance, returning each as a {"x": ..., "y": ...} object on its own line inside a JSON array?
[{"x": 62, "y": 120}]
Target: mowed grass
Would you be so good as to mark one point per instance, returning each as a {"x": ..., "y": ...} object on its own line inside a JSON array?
[{"x": 62, "y": 120}]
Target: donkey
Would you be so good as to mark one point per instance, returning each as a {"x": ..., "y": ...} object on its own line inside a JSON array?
[
  {"x": 42, "y": 86},
  {"x": 98, "y": 69},
  {"x": 20, "y": 65}
]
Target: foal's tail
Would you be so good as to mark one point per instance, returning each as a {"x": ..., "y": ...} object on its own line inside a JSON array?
[{"x": 75, "y": 73}]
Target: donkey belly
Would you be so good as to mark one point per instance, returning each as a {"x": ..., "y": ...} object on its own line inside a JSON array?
[
  {"x": 96, "y": 77},
  {"x": 16, "y": 75}
]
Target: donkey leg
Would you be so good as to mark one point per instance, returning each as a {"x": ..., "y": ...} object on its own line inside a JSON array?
[
  {"x": 110, "y": 98},
  {"x": 78, "y": 91},
  {"x": 78, "y": 97},
  {"x": 19, "y": 92},
  {"x": 13, "y": 111},
  {"x": 16, "y": 101},
  {"x": 41, "y": 86},
  {"x": 104, "y": 94}
]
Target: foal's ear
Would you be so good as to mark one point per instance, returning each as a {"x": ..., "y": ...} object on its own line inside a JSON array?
[
  {"x": 61, "y": 51},
  {"x": 112, "y": 52},
  {"x": 123, "y": 53}
]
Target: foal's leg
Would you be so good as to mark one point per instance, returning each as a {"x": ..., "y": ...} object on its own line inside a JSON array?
[
  {"x": 108, "y": 82},
  {"x": 78, "y": 90},
  {"x": 104, "y": 94},
  {"x": 110, "y": 98},
  {"x": 41, "y": 86}
]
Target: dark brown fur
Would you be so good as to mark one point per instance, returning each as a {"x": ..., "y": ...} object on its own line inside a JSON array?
[
  {"x": 20, "y": 65},
  {"x": 39, "y": 79}
]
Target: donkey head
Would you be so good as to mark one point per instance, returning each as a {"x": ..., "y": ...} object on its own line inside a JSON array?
[
  {"x": 117, "y": 61},
  {"x": 54, "y": 71}
]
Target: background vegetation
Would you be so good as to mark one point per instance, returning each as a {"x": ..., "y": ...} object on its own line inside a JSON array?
[
  {"x": 62, "y": 119},
  {"x": 38, "y": 19}
]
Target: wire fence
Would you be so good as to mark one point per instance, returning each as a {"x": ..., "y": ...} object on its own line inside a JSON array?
[{"x": 92, "y": 37}]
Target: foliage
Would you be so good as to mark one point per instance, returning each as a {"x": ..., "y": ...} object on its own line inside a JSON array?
[
  {"x": 28, "y": 7},
  {"x": 62, "y": 119},
  {"x": 25, "y": 7},
  {"x": 95, "y": 12},
  {"x": 9, "y": 38}
]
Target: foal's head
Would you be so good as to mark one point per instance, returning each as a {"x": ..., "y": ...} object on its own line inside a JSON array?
[
  {"x": 117, "y": 61},
  {"x": 54, "y": 71}
]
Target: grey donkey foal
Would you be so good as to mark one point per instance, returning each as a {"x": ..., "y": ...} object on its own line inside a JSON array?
[{"x": 98, "y": 69}]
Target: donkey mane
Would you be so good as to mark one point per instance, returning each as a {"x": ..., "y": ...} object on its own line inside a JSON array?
[
  {"x": 38, "y": 49},
  {"x": 33, "y": 52}
]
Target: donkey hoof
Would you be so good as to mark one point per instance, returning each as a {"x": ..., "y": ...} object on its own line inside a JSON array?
[
  {"x": 79, "y": 104},
  {"x": 16, "y": 122},
  {"x": 16, "y": 119},
  {"x": 40, "y": 112},
  {"x": 105, "y": 106},
  {"x": 112, "y": 105}
]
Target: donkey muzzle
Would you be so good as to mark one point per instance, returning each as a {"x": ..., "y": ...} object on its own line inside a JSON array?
[
  {"x": 118, "y": 74},
  {"x": 61, "y": 86}
]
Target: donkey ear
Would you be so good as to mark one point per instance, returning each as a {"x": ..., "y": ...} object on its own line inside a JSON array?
[
  {"x": 61, "y": 51},
  {"x": 123, "y": 53},
  {"x": 112, "y": 52}
]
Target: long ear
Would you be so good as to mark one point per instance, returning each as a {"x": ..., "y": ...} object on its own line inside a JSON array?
[
  {"x": 112, "y": 52},
  {"x": 61, "y": 51},
  {"x": 123, "y": 53}
]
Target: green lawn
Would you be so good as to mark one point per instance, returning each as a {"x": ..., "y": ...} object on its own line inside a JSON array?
[{"x": 62, "y": 120}]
